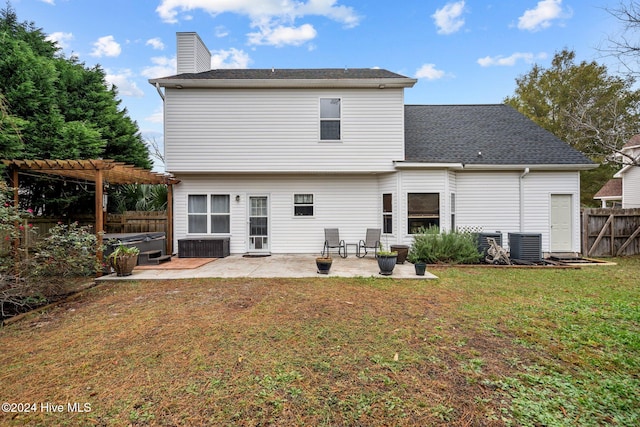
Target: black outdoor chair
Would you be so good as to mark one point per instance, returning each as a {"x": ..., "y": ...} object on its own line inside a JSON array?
[
  {"x": 332, "y": 241},
  {"x": 371, "y": 241}
]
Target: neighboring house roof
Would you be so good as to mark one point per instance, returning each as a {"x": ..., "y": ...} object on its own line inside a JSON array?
[
  {"x": 632, "y": 143},
  {"x": 276, "y": 77},
  {"x": 611, "y": 190},
  {"x": 494, "y": 134}
]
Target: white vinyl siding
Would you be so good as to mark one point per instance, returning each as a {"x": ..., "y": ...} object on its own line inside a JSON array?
[
  {"x": 350, "y": 203},
  {"x": 538, "y": 188},
  {"x": 489, "y": 201},
  {"x": 277, "y": 130},
  {"x": 631, "y": 188},
  {"x": 192, "y": 54}
]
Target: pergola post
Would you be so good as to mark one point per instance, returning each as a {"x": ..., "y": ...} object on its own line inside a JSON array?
[
  {"x": 99, "y": 220},
  {"x": 98, "y": 171}
]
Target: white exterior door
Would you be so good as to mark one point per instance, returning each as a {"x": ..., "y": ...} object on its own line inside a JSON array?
[
  {"x": 258, "y": 231},
  {"x": 561, "y": 223}
]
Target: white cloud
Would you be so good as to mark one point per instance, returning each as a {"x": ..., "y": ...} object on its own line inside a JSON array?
[
  {"x": 221, "y": 31},
  {"x": 232, "y": 58},
  {"x": 162, "y": 67},
  {"x": 157, "y": 116},
  {"x": 60, "y": 38},
  {"x": 274, "y": 19},
  {"x": 429, "y": 72},
  {"x": 448, "y": 19},
  {"x": 51, "y": 2},
  {"x": 106, "y": 46},
  {"x": 281, "y": 36},
  {"x": 155, "y": 43},
  {"x": 124, "y": 83},
  {"x": 509, "y": 61},
  {"x": 541, "y": 17}
]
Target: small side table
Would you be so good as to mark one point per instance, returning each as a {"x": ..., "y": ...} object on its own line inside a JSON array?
[{"x": 357, "y": 249}]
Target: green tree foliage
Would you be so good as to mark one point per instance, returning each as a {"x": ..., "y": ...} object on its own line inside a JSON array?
[
  {"x": 583, "y": 105},
  {"x": 57, "y": 108}
]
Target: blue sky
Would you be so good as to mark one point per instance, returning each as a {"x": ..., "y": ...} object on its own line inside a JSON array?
[{"x": 462, "y": 52}]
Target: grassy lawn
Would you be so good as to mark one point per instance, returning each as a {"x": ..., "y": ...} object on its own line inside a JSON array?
[{"x": 479, "y": 346}]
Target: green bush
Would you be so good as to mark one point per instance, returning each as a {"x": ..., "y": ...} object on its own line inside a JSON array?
[
  {"x": 448, "y": 247},
  {"x": 32, "y": 277}
]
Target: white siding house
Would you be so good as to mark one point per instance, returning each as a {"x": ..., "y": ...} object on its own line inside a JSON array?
[
  {"x": 630, "y": 174},
  {"x": 269, "y": 158}
]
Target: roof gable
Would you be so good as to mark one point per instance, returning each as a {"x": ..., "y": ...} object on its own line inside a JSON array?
[{"x": 493, "y": 134}]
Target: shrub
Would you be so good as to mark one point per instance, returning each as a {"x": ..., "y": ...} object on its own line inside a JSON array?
[
  {"x": 33, "y": 277},
  {"x": 68, "y": 251},
  {"x": 432, "y": 246}
]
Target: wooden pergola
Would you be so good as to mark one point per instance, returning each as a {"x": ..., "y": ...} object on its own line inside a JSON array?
[{"x": 100, "y": 172}]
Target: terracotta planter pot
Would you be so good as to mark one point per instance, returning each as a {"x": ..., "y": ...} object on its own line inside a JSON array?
[
  {"x": 402, "y": 250},
  {"x": 124, "y": 265}
]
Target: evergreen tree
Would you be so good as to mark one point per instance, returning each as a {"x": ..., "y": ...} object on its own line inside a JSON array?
[{"x": 57, "y": 108}]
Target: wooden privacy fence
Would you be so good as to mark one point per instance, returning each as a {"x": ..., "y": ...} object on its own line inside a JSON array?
[
  {"x": 610, "y": 232},
  {"x": 128, "y": 222},
  {"x": 137, "y": 222}
]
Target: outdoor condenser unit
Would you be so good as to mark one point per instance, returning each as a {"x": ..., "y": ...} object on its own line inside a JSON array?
[
  {"x": 483, "y": 244},
  {"x": 525, "y": 246}
]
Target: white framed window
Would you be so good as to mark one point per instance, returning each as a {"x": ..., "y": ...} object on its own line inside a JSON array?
[
  {"x": 330, "y": 119},
  {"x": 303, "y": 205},
  {"x": 423, "y": 210},
  {"x": 453, "y": 211},
  {"x": 208, "y": 214},
  {"x": 387, "y": 213}
]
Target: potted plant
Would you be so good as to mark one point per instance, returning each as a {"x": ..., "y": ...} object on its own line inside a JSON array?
[
  {"x": 419, "y": 252},
  {"x": 123, "y": 259},
  {"x": 323, "y": 263},
  {"x": 386, "y": 261}
]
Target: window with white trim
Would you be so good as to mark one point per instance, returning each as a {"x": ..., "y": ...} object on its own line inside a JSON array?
[
  {"x": 453, "y": 211},
  {"x": 303, "y": 204},
  {"x": 423, "y": 211},
  {"x": 330, "y": 114},
  {"x": 208, "y": 214},
  {"x": 387, "y": 213}
]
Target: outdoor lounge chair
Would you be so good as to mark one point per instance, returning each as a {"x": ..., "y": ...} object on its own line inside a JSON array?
[
  {"x": 332, "y": 241},
  {"x": 371, "y": 241}
]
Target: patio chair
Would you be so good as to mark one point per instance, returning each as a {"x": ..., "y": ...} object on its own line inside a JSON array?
[
  {"x": 332, "y": 241},
  {"x": 371, "y": 241}
]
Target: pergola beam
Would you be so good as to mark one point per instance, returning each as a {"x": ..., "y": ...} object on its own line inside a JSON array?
[{"x": 100, "y": 172}]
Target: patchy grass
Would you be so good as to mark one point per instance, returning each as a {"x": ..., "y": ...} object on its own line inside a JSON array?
[{"x": 477, "y": 347}]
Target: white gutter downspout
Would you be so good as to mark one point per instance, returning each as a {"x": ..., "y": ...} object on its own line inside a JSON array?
[
  {"x": 524, "y": 173},
  {"x": 159, "y": 91}
]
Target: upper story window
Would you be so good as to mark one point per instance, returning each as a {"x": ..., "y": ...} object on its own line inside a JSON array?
[
  {"x": 209, "y": 214},
  {"x": 303, "y": 204},
  {"x": 330, "y": 112}
]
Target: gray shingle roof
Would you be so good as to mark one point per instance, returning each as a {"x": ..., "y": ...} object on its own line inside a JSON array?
[
  {"x": 291, "y": 74},
  {"x": 457, "y": 133}
]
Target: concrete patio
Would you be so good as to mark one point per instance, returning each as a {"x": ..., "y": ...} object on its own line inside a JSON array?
[{"x": 274, "y": 266}]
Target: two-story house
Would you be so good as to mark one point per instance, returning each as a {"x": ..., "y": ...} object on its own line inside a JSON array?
[
  {"x": 623, "y": 190},
  {"x": 271, "y": 157}
]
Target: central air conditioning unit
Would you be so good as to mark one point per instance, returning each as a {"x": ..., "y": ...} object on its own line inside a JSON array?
[
  {"x": 483, "y": 243},
  {"x": 525, "y": 246}
]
